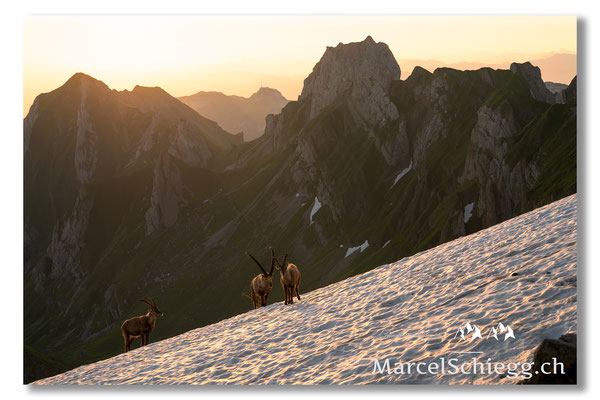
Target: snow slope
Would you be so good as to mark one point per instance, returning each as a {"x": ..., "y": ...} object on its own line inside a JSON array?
[{"x": 406, "y": 311}]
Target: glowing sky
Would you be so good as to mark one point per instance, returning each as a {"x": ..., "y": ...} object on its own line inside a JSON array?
[{"x": 236, "y": 54}]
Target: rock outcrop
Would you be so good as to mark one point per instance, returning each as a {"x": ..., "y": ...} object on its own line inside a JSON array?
[
  {"x": 167, "y": 194},
  {"x": 560, "y": 359},
  {"x": 363, "y": 72},
  {"x": 501, "y": 186},
  {"x": 533, "y": 76},
  {"x": 570, "y": 92}
]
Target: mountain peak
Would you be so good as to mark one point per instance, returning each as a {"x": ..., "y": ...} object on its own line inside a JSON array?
[
  {"x": 79, "y": 76},
  {"x": 419, "y": 73},
  {"x": 363, "y": 71},
  {"x": 267, "y": 92},
  {"x": 533, "y": 76},
  {"x": 155, "y": 90},
  {"x": 79, "y": 79}
]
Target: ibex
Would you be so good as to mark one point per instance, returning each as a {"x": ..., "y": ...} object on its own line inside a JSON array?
[
  {"x": 290, "y": 279},
  {"x": 261, "y": 284},
  {"x": 140, "y": 326},
  {"x": 248, "y": 296}
]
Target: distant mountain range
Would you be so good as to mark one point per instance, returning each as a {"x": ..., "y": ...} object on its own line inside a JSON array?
[
  {"x": 130, "y": 195},
  {"x": 559, "y": 67},
  {"x": 238, "y": 114}
]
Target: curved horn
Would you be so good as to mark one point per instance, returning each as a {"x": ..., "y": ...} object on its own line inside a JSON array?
[
  {"x": 272, "y": 261},
  {"x": 257, "y": 263},
  {"x": 274, "y": 258},
  {"x": 153, "y": 303},
  {"x": 284, "y": 260},
  {"x": 149, "y": 305}
]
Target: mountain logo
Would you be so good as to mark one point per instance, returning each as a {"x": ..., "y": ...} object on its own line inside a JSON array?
[
  {"x": 475, "y": 332},
  {"x": 468, "y": 328},
  {"x": 499, "y": 329}
]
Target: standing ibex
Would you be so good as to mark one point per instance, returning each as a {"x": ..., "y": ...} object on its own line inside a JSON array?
[
  {"x": 261, "y": 284},
  {"x": 290, "y": 279},
  {"x": 140, "y": 326}
]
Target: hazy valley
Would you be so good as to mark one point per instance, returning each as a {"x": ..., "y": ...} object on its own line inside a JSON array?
[{"x": 238, "y": 114}]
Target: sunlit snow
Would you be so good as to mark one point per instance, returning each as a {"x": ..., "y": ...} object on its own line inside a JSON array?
[{"x": 521, "y": 273}]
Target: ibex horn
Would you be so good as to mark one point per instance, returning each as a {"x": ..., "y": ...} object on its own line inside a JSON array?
[
  {"x": 149, "y": 305},
  {"x": 272, "y": 260},
  {"x": 257, "y": 263}
]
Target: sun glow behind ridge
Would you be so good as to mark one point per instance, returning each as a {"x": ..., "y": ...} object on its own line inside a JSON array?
[{"x": 238, "y": 54}]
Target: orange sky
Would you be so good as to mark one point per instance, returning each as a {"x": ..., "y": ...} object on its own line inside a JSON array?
[{"x": 236, "y": 54}]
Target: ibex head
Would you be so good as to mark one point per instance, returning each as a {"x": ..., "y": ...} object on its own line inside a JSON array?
[
  {"x": 283, "y": 266},
  {"x": 153, "y": 308}
]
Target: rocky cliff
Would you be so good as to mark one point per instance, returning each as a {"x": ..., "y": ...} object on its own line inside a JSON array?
[{"x": 363, "y": 72}]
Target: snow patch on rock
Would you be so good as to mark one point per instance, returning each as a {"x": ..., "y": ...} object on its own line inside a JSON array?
[
  {"x": 468, "y": 212},
  {"x": 402, "y": 173},
  {"x": 316, "y": 207},
  {"x": 362, "y": 247}
]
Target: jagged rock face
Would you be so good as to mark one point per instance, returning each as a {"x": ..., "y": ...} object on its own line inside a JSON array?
[
  {"x": 349, "y": 88},
  {"x": 188, "y": 145},
  {"x": 86, "y": 146},
  {"x": 551, "y": 351},
  {"x": 558, "y": 89},
  {"x": 396, "y": 149},
  {"x": 533, "y": 76},
  {"x": 500, "y": 186},
  {"x": 570, "y": 93},
  {"x": 555, "y": 87},
  {"x": 363, "y": 72},
  {"x": 506, "y": 182},
  {"x": 68, "y": 240},
  {"x": 492, "y": 130},
  {"x": 167, "y": 193}
]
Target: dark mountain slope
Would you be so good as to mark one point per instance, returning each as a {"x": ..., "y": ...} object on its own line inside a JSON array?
[{"x": 101, "y": 166}]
